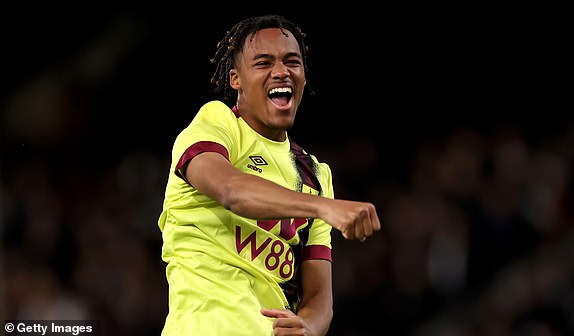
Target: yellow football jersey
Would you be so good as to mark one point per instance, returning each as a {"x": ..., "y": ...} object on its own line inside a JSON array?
[{"x": 223, "y": 268}]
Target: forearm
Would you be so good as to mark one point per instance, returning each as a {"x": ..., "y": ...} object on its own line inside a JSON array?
[
  {"x": 266, "y": 199},
  {"x": 257, "y": 198},
  {"x": 249, "y": 195},
  {"x": 315, "y": 311},
  {"x": 317, "y": 317},
  {"x": 316, "y": 306}
]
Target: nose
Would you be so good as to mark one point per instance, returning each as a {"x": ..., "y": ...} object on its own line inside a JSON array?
[{"x": 280, "y": 71}]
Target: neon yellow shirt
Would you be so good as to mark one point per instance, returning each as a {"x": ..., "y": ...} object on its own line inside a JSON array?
[{"x": 223, "y": 268}]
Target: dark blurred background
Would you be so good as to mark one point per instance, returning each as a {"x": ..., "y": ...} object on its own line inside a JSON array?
[{"x": 454, "y": 121}]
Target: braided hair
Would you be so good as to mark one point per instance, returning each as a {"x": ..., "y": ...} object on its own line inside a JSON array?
[{"x": 232, "y": 45}]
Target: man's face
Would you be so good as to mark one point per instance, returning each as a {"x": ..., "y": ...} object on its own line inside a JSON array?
[{"x": 269, "y": 77}]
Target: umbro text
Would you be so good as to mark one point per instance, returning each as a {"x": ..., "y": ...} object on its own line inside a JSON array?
[{"x": 250, "y": 166}]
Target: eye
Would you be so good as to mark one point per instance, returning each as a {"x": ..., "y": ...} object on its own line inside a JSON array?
[
  {"x": 262, "y": 64},
  {"x": 293, "y": 62}
]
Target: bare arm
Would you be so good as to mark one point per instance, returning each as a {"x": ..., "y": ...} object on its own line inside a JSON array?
[
  {"x": 254, "y": 197},
  {"x": 316, "y": 306},
  {"x": 315, "y": 311}
]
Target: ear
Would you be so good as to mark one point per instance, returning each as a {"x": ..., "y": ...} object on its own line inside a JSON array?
[{"x": 234, "y": 79}]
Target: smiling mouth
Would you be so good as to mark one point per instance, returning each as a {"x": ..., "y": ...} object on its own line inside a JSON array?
[{"x": 280, "y": 96}]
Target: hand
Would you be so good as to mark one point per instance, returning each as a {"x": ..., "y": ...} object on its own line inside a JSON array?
[
  {"x": 287, "y": 323},
  {"x": 355, "y": 220}
]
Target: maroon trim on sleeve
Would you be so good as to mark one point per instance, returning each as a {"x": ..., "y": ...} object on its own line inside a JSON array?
[
  {"x": 316, "y": 252},
  {"x": 200, "y": 147}
]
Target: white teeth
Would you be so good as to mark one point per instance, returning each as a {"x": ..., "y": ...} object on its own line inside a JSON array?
[{"x": 282, "y": 89}]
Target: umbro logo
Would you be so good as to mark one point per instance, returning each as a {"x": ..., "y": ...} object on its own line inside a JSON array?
[{"x": 258, "y": 161}]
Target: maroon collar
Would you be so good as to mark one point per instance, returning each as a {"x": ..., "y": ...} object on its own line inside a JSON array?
[{"x": 236, "y": 111}]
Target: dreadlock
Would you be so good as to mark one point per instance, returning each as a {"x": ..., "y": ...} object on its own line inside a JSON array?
[{"x": 232, "y": 44}]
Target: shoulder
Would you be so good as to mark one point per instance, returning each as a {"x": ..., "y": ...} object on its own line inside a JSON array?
[
  {"x": 214, "y": 122},
  {"x": 214, "y": 111}
]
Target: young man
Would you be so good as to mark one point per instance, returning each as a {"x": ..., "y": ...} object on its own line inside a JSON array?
[{"x": 247, "y": 214}]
